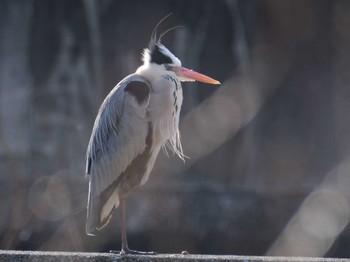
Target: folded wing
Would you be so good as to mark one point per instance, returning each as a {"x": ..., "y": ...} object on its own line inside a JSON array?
[{"x": 118, "y": 144}]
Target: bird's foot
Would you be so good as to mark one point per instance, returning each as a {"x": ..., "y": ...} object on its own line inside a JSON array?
[{"x": 127, "y": 251}]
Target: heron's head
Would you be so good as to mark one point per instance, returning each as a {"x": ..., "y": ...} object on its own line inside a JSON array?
[{"x": 159, "y": 61}]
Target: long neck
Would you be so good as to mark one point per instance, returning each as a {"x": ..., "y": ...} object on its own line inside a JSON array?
[{"x": 165, "y": 106}]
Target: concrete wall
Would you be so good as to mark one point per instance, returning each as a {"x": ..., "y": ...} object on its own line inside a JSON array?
[{"x": 33, "y": 256}]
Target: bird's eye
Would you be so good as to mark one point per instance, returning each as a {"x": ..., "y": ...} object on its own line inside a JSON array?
[{"x": 168, "y": 67}]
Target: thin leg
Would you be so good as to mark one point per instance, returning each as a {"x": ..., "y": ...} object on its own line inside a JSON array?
[{"x": 125, "y": 249}]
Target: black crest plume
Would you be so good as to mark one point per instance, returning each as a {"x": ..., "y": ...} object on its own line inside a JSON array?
[
  {"x": 155, "y": 44},
  {"x": 156, "y": 40}
]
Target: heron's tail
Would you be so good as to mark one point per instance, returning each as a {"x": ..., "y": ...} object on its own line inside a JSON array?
[
  {"x": 100, "y": 211},
  {"x": 92, "y": 216}
]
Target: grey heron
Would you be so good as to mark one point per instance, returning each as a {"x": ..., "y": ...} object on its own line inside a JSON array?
[{"x": 137, "y": 118}]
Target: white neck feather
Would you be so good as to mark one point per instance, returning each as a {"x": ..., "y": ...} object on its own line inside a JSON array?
[{"x": 153, "y": 72}]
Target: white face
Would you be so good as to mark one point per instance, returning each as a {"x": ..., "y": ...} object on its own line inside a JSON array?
[{"x": 157, "y": 61}]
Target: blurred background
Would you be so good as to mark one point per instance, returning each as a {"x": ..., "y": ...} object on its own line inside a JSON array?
[{"x": 268, "y": 170}]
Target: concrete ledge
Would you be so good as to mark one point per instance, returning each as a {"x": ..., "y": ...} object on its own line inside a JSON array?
[{"x": 37, "y": 256}]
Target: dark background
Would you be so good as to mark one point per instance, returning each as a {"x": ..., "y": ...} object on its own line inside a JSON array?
[{"x": 268, "y": 168}]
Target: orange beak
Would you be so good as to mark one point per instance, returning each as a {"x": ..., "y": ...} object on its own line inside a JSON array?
[{"x": 191, "y": 75}]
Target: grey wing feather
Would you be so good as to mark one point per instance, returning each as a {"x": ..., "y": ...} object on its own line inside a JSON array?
[{"x": 118, "y": 136}]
